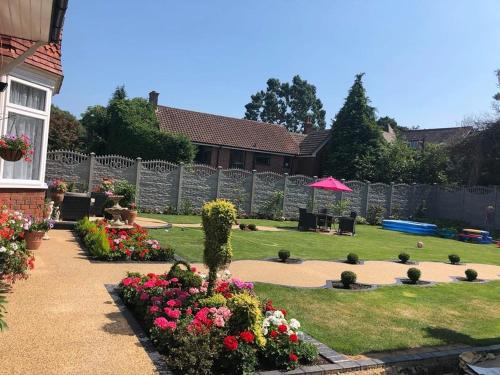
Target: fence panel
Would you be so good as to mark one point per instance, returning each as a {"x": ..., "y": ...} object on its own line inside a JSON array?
[
  {"x": 236, "y": 185},
  {"x": 68, "y": 165},
  {"x": 266, "y": 185},
  {"x": 158, "y": 186},
  {"x": 476, "y": 200},
  {"x": 298, "y": 195},
  {"x": 199, "y": 185},
  {"x": 115, "y": 167}
]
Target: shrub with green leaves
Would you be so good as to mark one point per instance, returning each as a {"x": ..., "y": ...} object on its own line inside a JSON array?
[
  {"x": 243, "y": 226},
  {"x": 470, "y": 274},
  {"x": 414, "y": 274},
  {"x": 217, "y": 218},
  {"x": 348, "y": 278},
  {"x": 352, "y": 258},
  {"x": 246, "y": 315},
  {"x": 186, "y": 276},
  {"x": 404, "y": 257},
  {"x": 454, "y": 258},
  {"x": 252, "y": 227},
  {"x": 283, "y": 255},
  {"x": 216, "y": 300},
  {"x": 375, "y": 214}
]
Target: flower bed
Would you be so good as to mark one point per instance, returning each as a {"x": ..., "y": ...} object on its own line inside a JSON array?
[
  {"x": 112, "y": 244},
  {"x": 230, "y": 332}
]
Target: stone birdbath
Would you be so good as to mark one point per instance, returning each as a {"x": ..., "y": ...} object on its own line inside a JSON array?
[{"x": 116, "y": 211}]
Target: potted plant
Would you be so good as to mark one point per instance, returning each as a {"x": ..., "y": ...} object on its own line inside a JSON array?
[
  {"x": 131, "y": 213},
  {"x": 13, "y": 148},
  {"x": 34, "y": 230},
  {"x": 57, "y": 189}
]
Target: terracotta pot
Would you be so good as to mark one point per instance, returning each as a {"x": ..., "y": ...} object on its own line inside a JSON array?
[
  {"x": 57, "y": 197},
  {"x": 11, "y": 155},
  {"x": 33, "y": 239},
  {"x": 132, "y": 214}
]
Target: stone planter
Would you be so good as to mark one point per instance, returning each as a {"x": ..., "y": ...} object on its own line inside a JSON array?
[
  {"x": 11, "y": 155},
  {"x": 129, "y": 216},
  {"x": 33, "y": 239},
  {"x": 57, "y": 197}
]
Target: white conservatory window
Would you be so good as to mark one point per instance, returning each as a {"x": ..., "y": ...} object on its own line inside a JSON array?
[{"x": 26, "y": 111}]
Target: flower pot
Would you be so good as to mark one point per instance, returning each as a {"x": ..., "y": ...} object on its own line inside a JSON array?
[
  {"x": 11, "y": 155},
  {"x": 132, "y": 214},
  {"x": 33, "y": 239},
  {"x": 57, "y": 197}
]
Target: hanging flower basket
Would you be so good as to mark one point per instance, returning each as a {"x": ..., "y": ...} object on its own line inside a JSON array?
[{"x": 10, "y": 155}]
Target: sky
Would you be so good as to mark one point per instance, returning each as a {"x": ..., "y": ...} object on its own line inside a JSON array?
[{"x": 427, "y": 63}]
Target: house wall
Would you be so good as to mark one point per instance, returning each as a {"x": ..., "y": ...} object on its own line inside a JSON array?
[{"x": 29, "y": 201}]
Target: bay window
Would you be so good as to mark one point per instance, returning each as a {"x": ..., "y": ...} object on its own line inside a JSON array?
[{"x": 26, "y": 111}]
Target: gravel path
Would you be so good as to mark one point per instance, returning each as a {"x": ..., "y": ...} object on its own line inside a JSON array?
[{"x": 62, "y": 320}]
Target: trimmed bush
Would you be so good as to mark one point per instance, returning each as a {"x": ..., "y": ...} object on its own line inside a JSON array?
[
  {"x": 414, "y": 274},
  {"x": 185, "y": 276},
  {"x": 348, "y": 278},
  {"x": 283, "y": 255},
  {"x": 404, "y": 257},
  {"x": 454, "y": 258},
  {"x": 470, "y": 274},
  {"x": 247, "y": 315},
  {"x": 352, "y": 258},
  {"x": 217, "y": 300},
  {"x": 243, "y": 226},
  {"x": 252, "y": 226}
]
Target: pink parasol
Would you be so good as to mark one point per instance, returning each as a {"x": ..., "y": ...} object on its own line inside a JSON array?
[{"x": 329, "y": 183}]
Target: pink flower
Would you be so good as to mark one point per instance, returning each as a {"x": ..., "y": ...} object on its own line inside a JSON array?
[
  {"x": 154, "y": 309},
  {"x": 172, "y": 313},
  {"x": 219, "y": 321},
  {"x": 173, "y": 303},
  {"x": 174, "y": 279},
  {"x": 194, "y": 291},
  {"x": 144, "y": 297},
  {"x": 150, "y": 283},
  {"x": 164, "y": 324}
]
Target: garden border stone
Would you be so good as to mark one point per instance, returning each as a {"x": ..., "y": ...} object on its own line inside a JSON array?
[
  {"x": 370, "y": 287},
  {"x": 399, "y": 281}
]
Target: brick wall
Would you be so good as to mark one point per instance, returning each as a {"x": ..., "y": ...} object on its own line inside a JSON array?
[{"x": 30, "y": 201}]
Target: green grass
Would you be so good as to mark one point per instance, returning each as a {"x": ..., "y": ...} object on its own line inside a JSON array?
[
  {"x": 371, "y": 243},
  {"x": 392, "y": 318}
]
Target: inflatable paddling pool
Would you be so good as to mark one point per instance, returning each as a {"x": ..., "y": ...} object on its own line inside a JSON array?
[{"x": 412, "y": 227}]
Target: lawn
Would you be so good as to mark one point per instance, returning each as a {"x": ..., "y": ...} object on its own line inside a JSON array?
[
  {"x": 371, "y": 243},
  {"x": 392, "y": 318}
]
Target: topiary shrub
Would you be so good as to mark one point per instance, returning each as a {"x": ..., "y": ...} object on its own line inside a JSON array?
[
  {"x": 246, "y": 315},
  {"x": 252, "y": 227},
  {"x": 470, "y": 274},
  {"x": 454, "y": 258},
  {"x": 352, "y": 258},
  {"x": 187, "y": 277},
  {"x": 243, "y": 226},
  {"x": 283, "y": 255},
  {"x": 414, "y": 274},
  {"x": 348, "y": 278},
  {"x": 404, "y": 257},
  {"x": 217, "y": 218}
]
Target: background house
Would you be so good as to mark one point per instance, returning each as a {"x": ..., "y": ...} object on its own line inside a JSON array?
[
  {"x": 30, "y": 73},
  {"x": 417, "y": 138}
]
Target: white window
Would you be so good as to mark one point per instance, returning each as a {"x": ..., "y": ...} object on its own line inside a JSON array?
[{"x": 26, "y": 111}]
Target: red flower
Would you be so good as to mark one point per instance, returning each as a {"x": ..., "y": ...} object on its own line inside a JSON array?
[
  {"x": 294, "y": 338},
  {"x": 282, "y": 328},
  {"x": 274, "y": 333},
  {"x": 293, "y": 357},
  {"x": 231, "y": 343},
  {"x": 283, "y": 311},
  {"x": 247, "y": 336}
]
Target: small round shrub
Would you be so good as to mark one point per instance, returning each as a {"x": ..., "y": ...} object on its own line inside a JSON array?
[
  {"x": 243, "y": 226},
  {"x": 414, "y": 274},
  {"x": 283, "y": 255},
  {"x": 454, "y": 258},
  {"x": 252, "y": 226},
  {"x": 404, "y": 257},
  {"x": 470, "y": 274},
  {"x": 352, "y": 258},
  {"x": 348, "y": 278},
  {"x": 186, "y": 277}
]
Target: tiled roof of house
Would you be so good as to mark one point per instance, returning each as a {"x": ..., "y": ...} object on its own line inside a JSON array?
[
  {"x": 212, "y": 129},
  {"x": 313, "y": 141},
  {"x": 47, "y": 57},
  {"x": 438, "y": 135}
]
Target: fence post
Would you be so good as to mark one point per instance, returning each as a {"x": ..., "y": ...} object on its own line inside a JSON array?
[
  {"x": 285, "y": 183},
  {"x": 464, "y": 192},
  {"x": 179, "y": 186},
  {"x": 252, "y": 192},
  {"x": 91, "y": 170},
  {"x": 138, "y": 162},
  {"x": 217, "y": 191},
  {"x": 367, "y": 198},
  {"x": 391, "y": 189},
  {"x": 342, "y": 193},
  {"x": 413, "y": 200},
  {"x": 313, "y": 194}
]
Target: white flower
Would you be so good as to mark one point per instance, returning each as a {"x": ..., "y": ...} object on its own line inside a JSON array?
[
  {"x": 3, "y": 249},
  {"x": 14, "y": 246},
  {"x": 264, "y": 331},
  {"x": 278, "y": 314},
  {"x": 10, "y": 252},
  {"x": 294, "y": 324}
]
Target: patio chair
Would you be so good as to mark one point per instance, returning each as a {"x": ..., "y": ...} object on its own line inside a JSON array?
[
  {"x": 75, "y": 206},
  {"x": 347, "y": 225},
  {"x": 97, "y": 208},
  {"x": 307, "y": 220}
]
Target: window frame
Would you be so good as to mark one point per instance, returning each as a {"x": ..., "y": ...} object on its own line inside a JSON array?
[
  {"x": 7, "y": 108},
  {"x": 260, "y": 155},
  {"x": 232, "y": 161}
]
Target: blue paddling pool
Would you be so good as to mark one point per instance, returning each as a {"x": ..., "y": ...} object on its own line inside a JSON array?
[{"x": 410, "y": 227}]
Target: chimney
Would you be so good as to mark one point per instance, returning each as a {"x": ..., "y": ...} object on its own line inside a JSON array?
[
  {"x": 308, "y": 126},
  {"x": 153, "y": 98}
]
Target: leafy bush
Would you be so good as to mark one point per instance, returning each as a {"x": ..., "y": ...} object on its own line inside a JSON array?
[
  {"x": 414, "y": 274},
  {"x": 360, "y": 220},
  {"x": 127, "y": 190},
  {"x": 340, "y": 207},
  {"x": 404, "y": 257},
  {"x": 185, "y": 276},
  {"x": 273, "y": 207},
  {"x": 352, "y": 258},
  {"x": 470, "y": 274},
  {"x": 217, "y": 300},
  {"x": 252, "y": 227},
  {"x": 454, "y": 258},
  {"x": 243, "y": 226},
  {"x": 375, "y": 214},
  {"x": 246, "y": 315},
  {"x": 283, "y": 255},
  {"x": 217, "y": 218},
  {"x": 348, "y": 278}
]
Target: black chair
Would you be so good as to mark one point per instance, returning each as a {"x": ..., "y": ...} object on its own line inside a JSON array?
[
  {"x": 97, "y": 208},
  {"x": 307, "y": 220},
  {"x": 75, "y": 206},
  {"x": 354, "y": 215},
  {"x": 347, "y": 225}
]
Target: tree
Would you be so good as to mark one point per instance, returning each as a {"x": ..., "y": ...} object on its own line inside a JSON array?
[
  {"x": 65, "y": 131},
  {"x": 95, "y": 123},
  {"x": 432, "y": 165},
  {"x": 496, "y": 97},
  {"x": 119, "y": 93},
  {"x": 356, "y": 139},
  {"x": 287, "y": 104},
  {"x": 396, "y": 163},
  {"x": 386, "y": 121}
]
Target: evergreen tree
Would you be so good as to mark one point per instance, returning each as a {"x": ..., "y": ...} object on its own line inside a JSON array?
[
  {"x": 287, "y": 104},
  {"x": 356, "y": 138},
  {"x": 65, "y": 131},
  {"x": 119, "y": 93}
]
